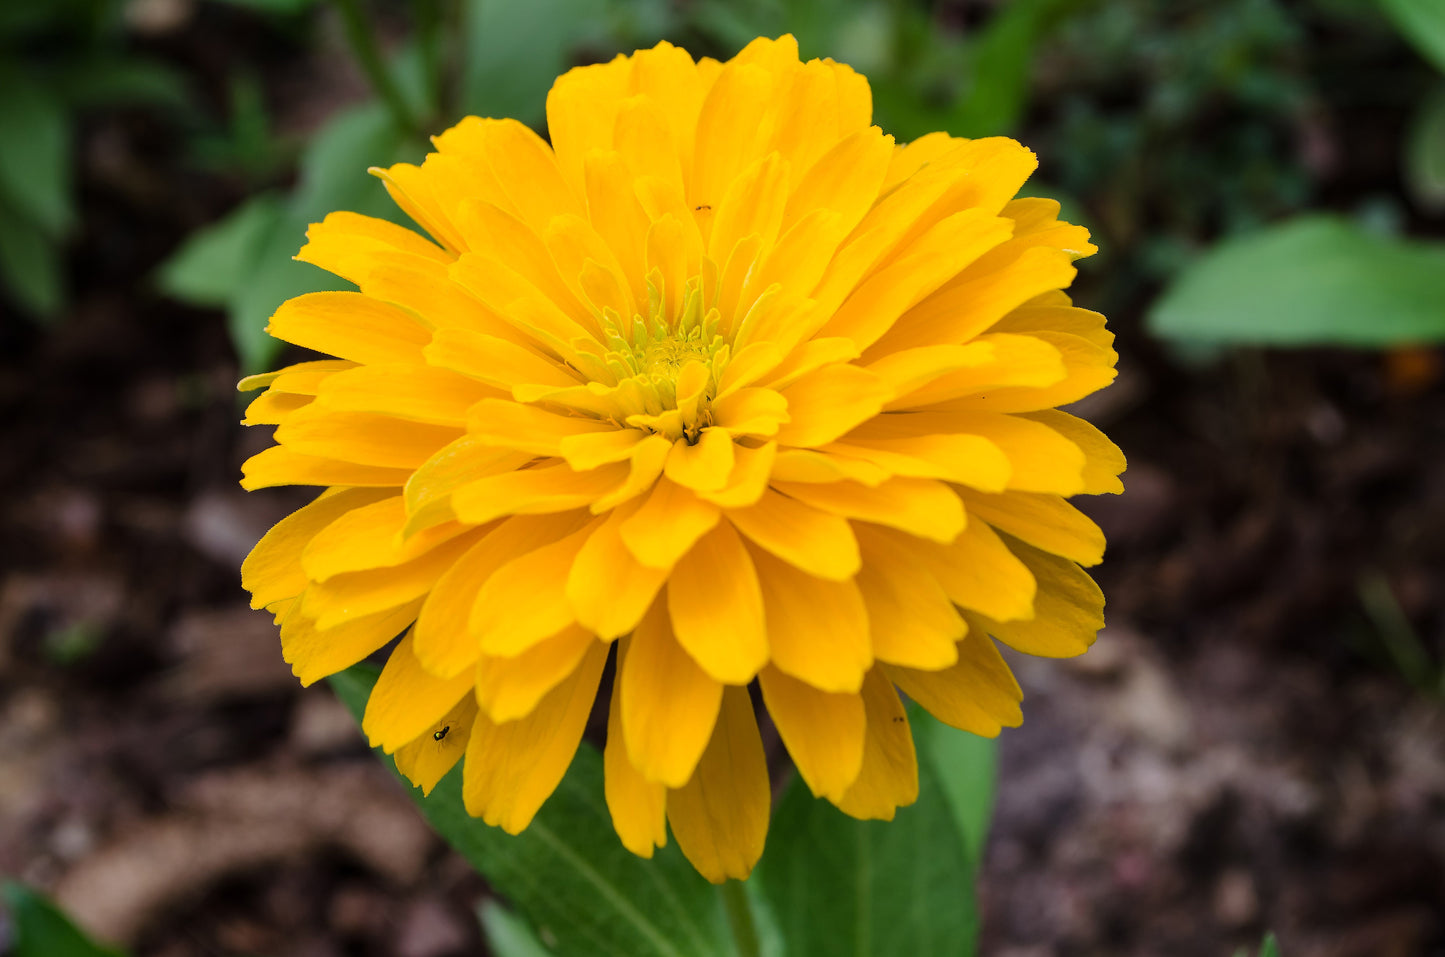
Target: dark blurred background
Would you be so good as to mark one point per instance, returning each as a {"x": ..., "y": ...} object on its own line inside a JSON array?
[{"x": 1256, "y": 741}]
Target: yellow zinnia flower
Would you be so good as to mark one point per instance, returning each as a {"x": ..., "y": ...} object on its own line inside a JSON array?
[{"x": 723, "y": 376}]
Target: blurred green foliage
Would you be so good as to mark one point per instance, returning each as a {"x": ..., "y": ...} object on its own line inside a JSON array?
[
  {"x": 576, "y": 890},
  {"x": 39, "y": 929},
  {"x": 58, "y": 59}
]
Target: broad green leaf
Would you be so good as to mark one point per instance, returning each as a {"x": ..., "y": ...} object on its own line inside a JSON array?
[
  {"x": 333, "y": 177},
  {"x": 567, "y": 874},
  {"x": 507, "y": 934},
  {"x": 1422, "y": 22},
  {"x": 35, "y": 135},
  {"x": 30, "y": 265},
  {"x": 899, "y": 888},
  {"x": 111, "y": 81},
  {"x": 515, "y": 50},
  {"x": 966, "y": 766},
  {"x": 1425, "y": 153},
  {"x": 1270, "y": 948},
  {"x": 41, "y": 930},
  {"x": 213, "y": 263},
  {"x": 1315, "y": 280},
  {"x": 1001, "y": 62}
]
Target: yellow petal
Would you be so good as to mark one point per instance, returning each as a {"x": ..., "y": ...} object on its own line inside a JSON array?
[
  {"x": 509, "y": 688},
  {"x": 408, "y": 699},
  {"x": 429, "y": 490},
  {"x": 812, "y": 541},
  {"x": 527, "y": 428},
  {"x": 346, "y": 244},
  {"x": 427, "y": 759},
  {"x": 1068, "y": 610},
  {"x": 363, "y": 437},
  {"x": 875, "y": 307},
  {"x": 1084, "y": 367},
  {"x": 349, "y": 325},
  {"x": 845, "y": 179},
  {"x": 644, "y": 467},
  {"x": 443, "y": 642},
  {"x": 273, "y": 572},
  {"x": 279, "y": 465},
  {"x": 817, "y": 630},
  {"x": 720, "y": 817},
  {"x": 716, "y": 607},
  {"x": 354, "y": 594},
  {"x": 749, "y": 479},
  {"x": 494, "y": 360},
  {"x": 313, "y": 653},
  {"x": 911, "y": 620},
  {"x": 978, "y": 571},
  {"x": 608, "y": 589},
  {"x": 669, "y": 704},
  {"x": 704, "y": 466},
  {"x": 1103, "y": 461},
  {"x": 507, "y": 624},
  {"x": 1044, "y": 521},
  {"x": 730, "y": 135},
  {"x": 825, "y": 404},
  {"x": 978, "y": 694},
  {"x": 922, "y": 507},
  {"x": 553, "y": 488},
  {"x": 751, "y": 411},
  {"x": 970, "y": 460},
  {"x": 667, "y": 525},
  {"x": 824, "y": 733},
  {"x": 638, "y": 806},
  {"x": 512, "y": 768},
  {"x": 888, "y": 779},
  {"x": 807, "y": 465}
]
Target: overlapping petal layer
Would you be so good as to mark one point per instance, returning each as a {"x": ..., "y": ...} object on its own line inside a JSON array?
[{"x": 724, "y": 376}]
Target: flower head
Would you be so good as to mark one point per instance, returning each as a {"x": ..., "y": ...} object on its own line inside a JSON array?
[{"x": 722, "y": 377}]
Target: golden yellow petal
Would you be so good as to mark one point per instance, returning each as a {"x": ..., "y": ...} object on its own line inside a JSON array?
[
  {"x": 813, "y": 541},
  {"x": 716, "y": 607},
  {"x": 638, "y": 806},
  {"x": 720, "y": 817},
  {"x": 525, "y": 600},
  {"x": 824, "y": 733},
  {"x": 1045, "y": 521},
  {"x": 351, "y": 326},
  {"x": 912, "y": 622},
  {"x": 408, "y": 699},
  {"x": 978, "y": 694},
  {"x": 669, "y": 704},
  {"x": 817, "y": 630},
  {"x": 667, "y": 525},
  {"x": 922, "y": 507},
  {"x": 512, "y": 768},
  {"x": 425, "y": 760},
  {"x": 273, "y": 571},
  {"x": 608, "y": 589},
  {"x": 888, "y": 779},
  {"x": 509, "y": 688}
]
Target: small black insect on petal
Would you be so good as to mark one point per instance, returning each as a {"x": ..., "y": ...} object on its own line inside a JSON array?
[{"x": 437, "y": 736}]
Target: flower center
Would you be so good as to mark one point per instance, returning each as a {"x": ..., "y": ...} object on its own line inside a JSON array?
[{"x": 667, "y": 365}]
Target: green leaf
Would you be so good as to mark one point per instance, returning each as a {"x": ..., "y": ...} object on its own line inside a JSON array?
[
  {"x": 515, "y": 50},
  {"x": 41, "y": 930},
  {"x": 1270, "y": 948},
  {"x": 507, "y": 934},
  {"x": 567, "y": 873},
  {"x": 113, "y": 81},
  {"x": 966, "y": 766},
  {"x": 1001, "y": 63},
  {"x": 899, "y": 888},
  {"x": 1315, "y": 280},
  {"x": 31, "y": 271},
  {"x": 278, "y": 7},
  {"x": 35, "y": 135},
  {"x": 212, "y": 264},
  {"x": 1425, "y": 153},
  {"x": 333, "y": 177},
  {"x": 1422, "y": 22}
]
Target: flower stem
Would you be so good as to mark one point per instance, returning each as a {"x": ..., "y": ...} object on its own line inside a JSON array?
[
  {"x": 368, "y": 54},
  {"x": 740, "y": 916}
]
